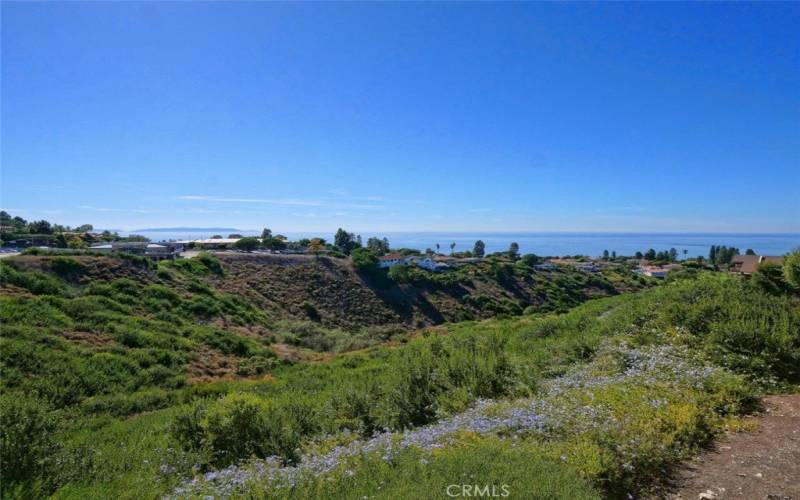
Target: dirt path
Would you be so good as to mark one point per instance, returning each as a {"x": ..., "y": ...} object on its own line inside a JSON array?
[{"x": 762, "y": 464}]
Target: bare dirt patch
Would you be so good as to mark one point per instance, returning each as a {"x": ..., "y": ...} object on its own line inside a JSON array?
[
  {"x": 210, "y": 364},
  {"x": 91, "y": 340},
  {"x": 762, "y": 464}
]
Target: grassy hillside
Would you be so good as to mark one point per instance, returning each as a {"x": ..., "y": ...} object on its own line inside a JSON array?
[
  {"x": 122, "y": 335},
  {"x": 321, "y": 304},
  {"x": 330, "y": 292},
  {"x": 104, "y": 393}
]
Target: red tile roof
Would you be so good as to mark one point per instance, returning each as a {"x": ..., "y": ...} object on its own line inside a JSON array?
[{"x": 391, "y": 256}]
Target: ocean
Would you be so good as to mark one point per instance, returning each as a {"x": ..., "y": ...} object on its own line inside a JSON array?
[{"x": 552, "y": 244}]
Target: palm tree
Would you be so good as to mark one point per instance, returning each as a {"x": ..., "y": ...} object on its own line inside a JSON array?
[{"x": 452, "y": 247}]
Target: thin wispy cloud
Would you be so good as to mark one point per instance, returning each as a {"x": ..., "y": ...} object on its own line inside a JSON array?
[
  {"x": 110, "y": 209},
  {"x": 100, "y": 209},
  {"x": 271, "y": 201},
  {"x": 197, "y": 211},
  {"x": 284, "y": 201}
]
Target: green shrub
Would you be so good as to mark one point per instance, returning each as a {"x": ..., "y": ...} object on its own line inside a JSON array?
[
  {"x": 256, "y": 365},
  {"x": 27, "y": 427},
  {"x": 412, "y": 396},
  {"x": 34, "y": 281},
  {"x": 203, "y": 264},
  {"x": 203, "y": 306},
  {"x": 211, "y": 263},
  {"x": 196, "y": 286},
  {"x": 364, "y": 260},
  {"x": 187, "y": 425},
  {"x": 310, "y": 310},
  {"x": 355, "y": 408},
  {"x": 66, "y": 267},
  {"x": 239, "y": 426}
]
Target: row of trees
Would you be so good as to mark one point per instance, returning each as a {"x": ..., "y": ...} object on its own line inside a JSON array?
[
  {"x": 18, "y": 225},
  {"x": 723, "y": 255},
  {"x": 278, "y": 242},
  {"x": 670, "y": 255},
  {"x": 43, "y": 232}
]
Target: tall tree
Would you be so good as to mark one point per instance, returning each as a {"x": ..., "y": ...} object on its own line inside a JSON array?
[
  {"x": 479, "y": 249},
  {"x": 673, "y": 254},
  {"x": 76, "y": 242},
  {"x": 346, "y": 242},
  {"x": 513, "y": 250},
  {"x": 40, "y": 227},
  {"x": 378, "y": 246},
  {"x": 650, "y": 254},
  {"x": 315, "y": 246},
  {"x": 605, "y": 254},
  {"x": 364, "y": 260},
  {"x": 452, "y": 247},
  {"x": 791, "y": 269}
]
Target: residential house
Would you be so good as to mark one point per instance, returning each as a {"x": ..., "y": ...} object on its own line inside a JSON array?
[
  {"x": 210, "y": 243},
  {"x": 155, "y": 251},
  {"x": 658, "y": 271},
  {"x": 748, "y": 264},
  {"x": 430, "y": 264},
  {"x": 391, "y": 259}
]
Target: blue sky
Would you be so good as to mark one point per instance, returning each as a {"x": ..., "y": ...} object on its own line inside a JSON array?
[{"x": 387, "y": 117}]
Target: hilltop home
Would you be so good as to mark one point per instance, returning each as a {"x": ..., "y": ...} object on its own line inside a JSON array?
[
  {"x": 659, "y": 271},
  {"x": 391, "y": 259},
  {"x": 748, "y": 264},
  {"x": 154, "y": 251},
  {"x": 210, "y": 242},
  {"x": 429, "y": 263},
  {"x": 395, "y": 259}
]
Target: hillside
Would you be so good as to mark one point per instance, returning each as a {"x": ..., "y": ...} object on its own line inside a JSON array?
[
  {"x": 303, "y": 295},
  {"x": 285, "y": 285},
  {"x": 596, "y": 402},
  {"x": 68, "y": 322}
]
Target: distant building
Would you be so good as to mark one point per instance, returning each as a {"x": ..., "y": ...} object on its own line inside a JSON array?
[
  {"x": 659, "y": 271},
  {"x": 426, "y": 262},
  {"x": 589, "y": 266},
  {"x": 429, "y": 263},
  {"x": 391, "y": 259},
  {"x": 155, "y": 251},
  {"x": 210, "y": 243},
  {"x": 748, "y": 264}
]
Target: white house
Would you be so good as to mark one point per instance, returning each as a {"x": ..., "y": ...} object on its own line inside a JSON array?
[
  {"x": 391, "y": 259},
  {"x": 104, "y": 248},
  {"x": 427, "y": 262}
]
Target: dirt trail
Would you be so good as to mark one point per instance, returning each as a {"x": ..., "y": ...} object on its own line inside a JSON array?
[{"x": 762, "y": 464}]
